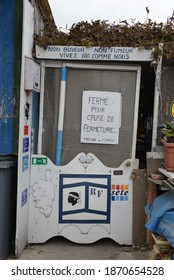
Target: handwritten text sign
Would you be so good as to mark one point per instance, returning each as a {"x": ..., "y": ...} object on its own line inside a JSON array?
[
  {"x": 94, "y": 53},
  {"x": 101, "y": 114}
]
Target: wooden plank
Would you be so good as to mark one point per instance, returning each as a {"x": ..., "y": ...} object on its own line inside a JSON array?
[
  {"x": 169, "y": 175},
  {"x": 139, "y": 202},
  {"x": 154, "y": 162}
]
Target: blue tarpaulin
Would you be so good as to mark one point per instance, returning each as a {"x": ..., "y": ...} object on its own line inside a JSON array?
[{"x": 160, "y": 216}]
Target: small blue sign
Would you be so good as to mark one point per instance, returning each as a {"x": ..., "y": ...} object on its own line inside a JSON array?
[
  {"x": 24, "y": 197},
  {"x": 25, "y": 163},
  {"x": 25, "y": 144}
]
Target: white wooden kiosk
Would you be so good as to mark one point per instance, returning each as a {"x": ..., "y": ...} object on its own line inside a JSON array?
[{"x": 84, "y": 199}]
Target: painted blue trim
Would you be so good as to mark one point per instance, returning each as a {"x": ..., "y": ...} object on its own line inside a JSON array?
[
  {"x": 87, "y": 197},
  {"x": 85, "y": 209},
  {"x": 63, "y": 73},
  {"x": 83, "y": 183},
  {"x": 59, "y": 147},
  {"x": 84, "y": 222},
  {"x": 6, "y": 76},
  {"x": 85, "y": 176}
]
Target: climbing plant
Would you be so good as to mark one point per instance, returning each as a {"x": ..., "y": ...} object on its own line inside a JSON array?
[{"x": 101, "y": 33}]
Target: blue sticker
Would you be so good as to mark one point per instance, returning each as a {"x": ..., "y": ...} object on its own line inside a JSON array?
[
  {"x": 25, "y": 144},
  {"x": 25, "y": 163},
  {"x": 24, "y": 197}
]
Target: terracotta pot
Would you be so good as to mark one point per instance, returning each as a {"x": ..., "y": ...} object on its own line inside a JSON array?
[{"x": 168, "y": 155}]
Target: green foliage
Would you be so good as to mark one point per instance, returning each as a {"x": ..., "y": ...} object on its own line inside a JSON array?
[
  {"x": 168, "y": 132},
  {"x": 103, "y": 34}
]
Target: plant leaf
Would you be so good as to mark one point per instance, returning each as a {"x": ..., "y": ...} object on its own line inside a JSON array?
[{"x": 170, "y": 125}]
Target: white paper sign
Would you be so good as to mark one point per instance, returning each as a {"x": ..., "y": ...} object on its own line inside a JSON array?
[{"x": 101, "y": 114}]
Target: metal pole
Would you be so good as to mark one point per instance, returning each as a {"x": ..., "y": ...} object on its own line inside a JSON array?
[
  {"x": 157, "y": 95},
  {"x": 61, "y": 115}
]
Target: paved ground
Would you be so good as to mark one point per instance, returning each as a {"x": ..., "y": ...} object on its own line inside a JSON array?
[{"x": 59, "y": 248}]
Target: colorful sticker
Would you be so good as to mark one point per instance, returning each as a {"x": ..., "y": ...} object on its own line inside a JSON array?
[
  {"x": 25, "y": 163},
  {"x": 25, "y": 144},
  {"x": 24, "y": 197},
  {"x": 27, "y": 111},
  {"x": 25, "y": 129},
  {"x": 120, "y": 192},
  {"x": 40, "y": 160}
]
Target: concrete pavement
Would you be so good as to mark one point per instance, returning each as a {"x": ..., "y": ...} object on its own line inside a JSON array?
[{"x": 59, "y": 248}]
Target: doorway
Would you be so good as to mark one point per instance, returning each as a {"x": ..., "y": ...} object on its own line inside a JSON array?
[
  {"x": 120, "y": 78},
  {"x": 145, "y": 114}
]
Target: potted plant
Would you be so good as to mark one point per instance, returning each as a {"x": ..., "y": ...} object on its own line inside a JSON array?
[{"x": 168, "y": 144}]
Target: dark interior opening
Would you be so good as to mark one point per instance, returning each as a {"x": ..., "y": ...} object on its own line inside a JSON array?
[{"x": 145, "y": 115}]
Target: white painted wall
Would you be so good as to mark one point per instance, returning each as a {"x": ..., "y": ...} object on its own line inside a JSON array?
[{"x": 24, "y": 148}]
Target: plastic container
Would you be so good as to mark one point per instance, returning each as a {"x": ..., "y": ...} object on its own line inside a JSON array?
[{"x": 8, "y": 192}]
